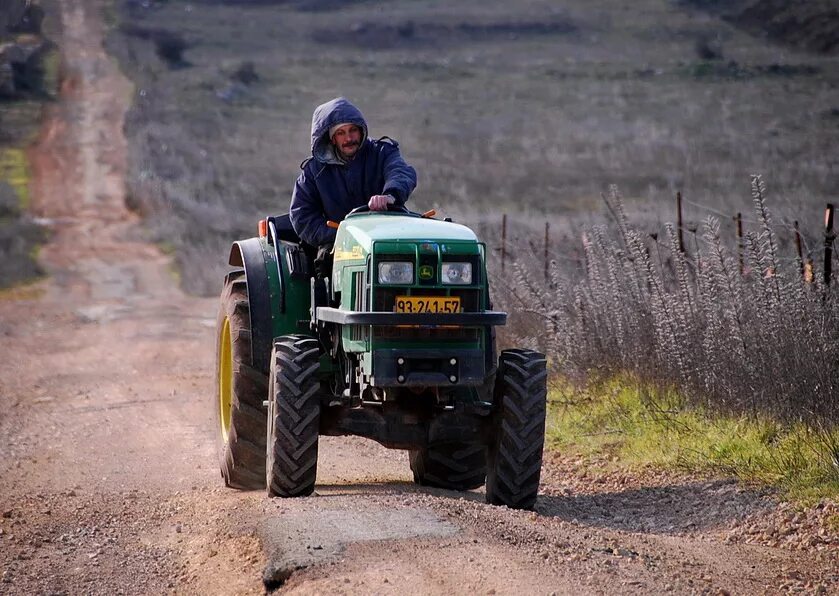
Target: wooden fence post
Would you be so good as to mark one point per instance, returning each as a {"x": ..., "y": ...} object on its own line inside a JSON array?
[
  {"x": 799, "y": 249},
  {"x": 696, "y": 251},
  {"x": 679, "y": 222},
  {"x": 829, "y": 236},
  {"x": 503, "y": 240},
  {"x": 547, "y": 246},
  {"x": 739, "y": 221}
]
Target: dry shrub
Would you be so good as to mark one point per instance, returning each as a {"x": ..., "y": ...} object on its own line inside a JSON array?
[{"x": 756, "y": 340}]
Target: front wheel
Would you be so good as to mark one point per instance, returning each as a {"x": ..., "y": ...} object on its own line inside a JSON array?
[
  {"x": 293, "y": 417},
  {"x": 514, "y": 457}
]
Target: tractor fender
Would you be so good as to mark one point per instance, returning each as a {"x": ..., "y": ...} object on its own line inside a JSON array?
[{"x": 250, "y": 255}]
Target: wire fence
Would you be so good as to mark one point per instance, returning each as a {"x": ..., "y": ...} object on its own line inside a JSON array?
[{"x": 805, "y": 256}]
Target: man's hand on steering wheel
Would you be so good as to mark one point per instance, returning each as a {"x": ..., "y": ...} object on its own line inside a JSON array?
[{"x": 380, "y": 202}]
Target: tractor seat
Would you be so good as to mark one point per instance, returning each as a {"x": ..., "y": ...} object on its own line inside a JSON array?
[
  {"x": 300, "y": 256},
  {"x": 285, "y": 232}
]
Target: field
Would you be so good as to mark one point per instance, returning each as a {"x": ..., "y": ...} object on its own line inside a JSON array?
[
  {"x": 530, "y": 110},
  {"x": 588, "y": 118}
]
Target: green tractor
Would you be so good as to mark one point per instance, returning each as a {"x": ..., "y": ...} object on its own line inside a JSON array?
[{"x": 398, "y": 346}]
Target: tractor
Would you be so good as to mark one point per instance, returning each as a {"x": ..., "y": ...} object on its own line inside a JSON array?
[{"x": 396, "y": 345}]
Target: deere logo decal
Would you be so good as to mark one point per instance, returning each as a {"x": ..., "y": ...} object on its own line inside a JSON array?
[
  {"x": 426, "y": 272},
  {"x": 348, "y": 255}
]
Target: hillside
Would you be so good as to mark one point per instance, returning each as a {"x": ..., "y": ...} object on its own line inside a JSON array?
[
  {"x": 811, "y": 25},
  {"x": 533, "y": 110}
]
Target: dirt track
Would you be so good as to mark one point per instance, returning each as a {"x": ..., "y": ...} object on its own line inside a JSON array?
[{"x": 109, "y": 478}]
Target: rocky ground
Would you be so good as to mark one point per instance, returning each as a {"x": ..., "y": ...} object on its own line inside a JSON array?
[{"x": 107, "y": 458}]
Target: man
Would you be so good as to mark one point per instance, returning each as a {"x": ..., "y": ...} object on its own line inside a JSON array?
[{"x": 346, "y": 170}]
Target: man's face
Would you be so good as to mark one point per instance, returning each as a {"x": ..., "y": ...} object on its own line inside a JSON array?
[{"x": 347, "y": 140}]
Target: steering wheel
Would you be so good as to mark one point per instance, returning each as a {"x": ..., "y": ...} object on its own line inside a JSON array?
[{"x": 392, "y": 208}]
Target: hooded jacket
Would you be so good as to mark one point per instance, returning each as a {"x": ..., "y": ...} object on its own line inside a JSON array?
[{"x": 328, "y": 188}]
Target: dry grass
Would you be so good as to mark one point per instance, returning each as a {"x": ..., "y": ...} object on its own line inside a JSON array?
[
  {"x": 495, "y": 113},
  {"x": 757, "y": 341}
]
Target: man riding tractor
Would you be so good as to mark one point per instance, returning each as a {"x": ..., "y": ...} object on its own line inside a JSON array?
[
  {"x": 347, "y": 170},
  {"x": 392, "y": 339}
]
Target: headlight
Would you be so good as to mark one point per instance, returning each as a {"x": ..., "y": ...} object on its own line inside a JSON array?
[
  {"x": 396, "y": 272},
  {"x": 457, "y": 273}
]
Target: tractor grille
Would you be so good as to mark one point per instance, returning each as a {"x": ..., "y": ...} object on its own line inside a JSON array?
[
  {"x": 358, "y": 332},
  {"x": 443, "y": 334},
  {"x": 358, "y": 283}
]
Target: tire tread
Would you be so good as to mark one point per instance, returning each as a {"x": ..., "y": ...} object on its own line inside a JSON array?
[
  {"x": 293, "y": 427},
  {"x": 242, "y": 455},
  {"x": 514, "y": 461}
]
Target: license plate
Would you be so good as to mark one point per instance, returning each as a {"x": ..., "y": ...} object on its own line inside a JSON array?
[{"x": 432, "y": 304}]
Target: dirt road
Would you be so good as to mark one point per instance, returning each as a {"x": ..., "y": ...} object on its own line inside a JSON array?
[{"x": 109, "y": 477}]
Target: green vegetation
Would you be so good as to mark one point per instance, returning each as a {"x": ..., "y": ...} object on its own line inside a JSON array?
[
  {"x": 14, "y": 170},
  {"x": 52, "y": 73},
  {"x": 648, "y": 426},
  {"x": 19, "y": 236},
  {"x": 21, "y": 111}
]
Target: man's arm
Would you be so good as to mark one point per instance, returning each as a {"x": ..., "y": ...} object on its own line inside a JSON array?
[
  {"x": 306, "y": 213},
  {"x": 400, "y": 178}
]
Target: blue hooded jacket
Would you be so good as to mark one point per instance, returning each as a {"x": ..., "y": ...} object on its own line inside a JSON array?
[{"x": 329, "y": 188}]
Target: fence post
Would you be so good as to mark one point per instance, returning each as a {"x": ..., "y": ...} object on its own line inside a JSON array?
[
  {"x": 798, "y": 248},
  {"x": 503, "y": 240},
  {"x": 547, "y": 246},
  {"x": 829, "y": 236},
  {"x": 739, "y": 221},
  {"x": 679, "y": 222},
  {"x": 696, "y": 251}
]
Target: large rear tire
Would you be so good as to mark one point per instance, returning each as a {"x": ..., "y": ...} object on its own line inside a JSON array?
[
  {"x": 293, "y": 417},
  {"x": 455, "y": 466},
  {"x": 514, "y": 457},
  {"x": 240, "y": 390}
]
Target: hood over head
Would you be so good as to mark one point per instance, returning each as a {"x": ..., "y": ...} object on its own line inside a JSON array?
[{"x": 327, "y": 115}]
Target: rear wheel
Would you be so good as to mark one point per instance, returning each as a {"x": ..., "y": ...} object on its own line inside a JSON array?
[
  {"x": 293, "y": 417},
  {"x": 455, "y": 466},
  {"x": 240, "y": 390},
  {"x": 514, "y": 462}
]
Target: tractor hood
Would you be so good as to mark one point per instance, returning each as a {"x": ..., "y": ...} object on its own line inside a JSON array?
[{"x": 364, "y": 229}]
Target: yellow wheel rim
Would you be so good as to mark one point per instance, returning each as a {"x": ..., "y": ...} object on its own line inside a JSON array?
[{"x": 225, "y": 378}]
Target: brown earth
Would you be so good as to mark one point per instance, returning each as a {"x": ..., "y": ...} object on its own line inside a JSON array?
[{"x": 109, "y": 478}]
